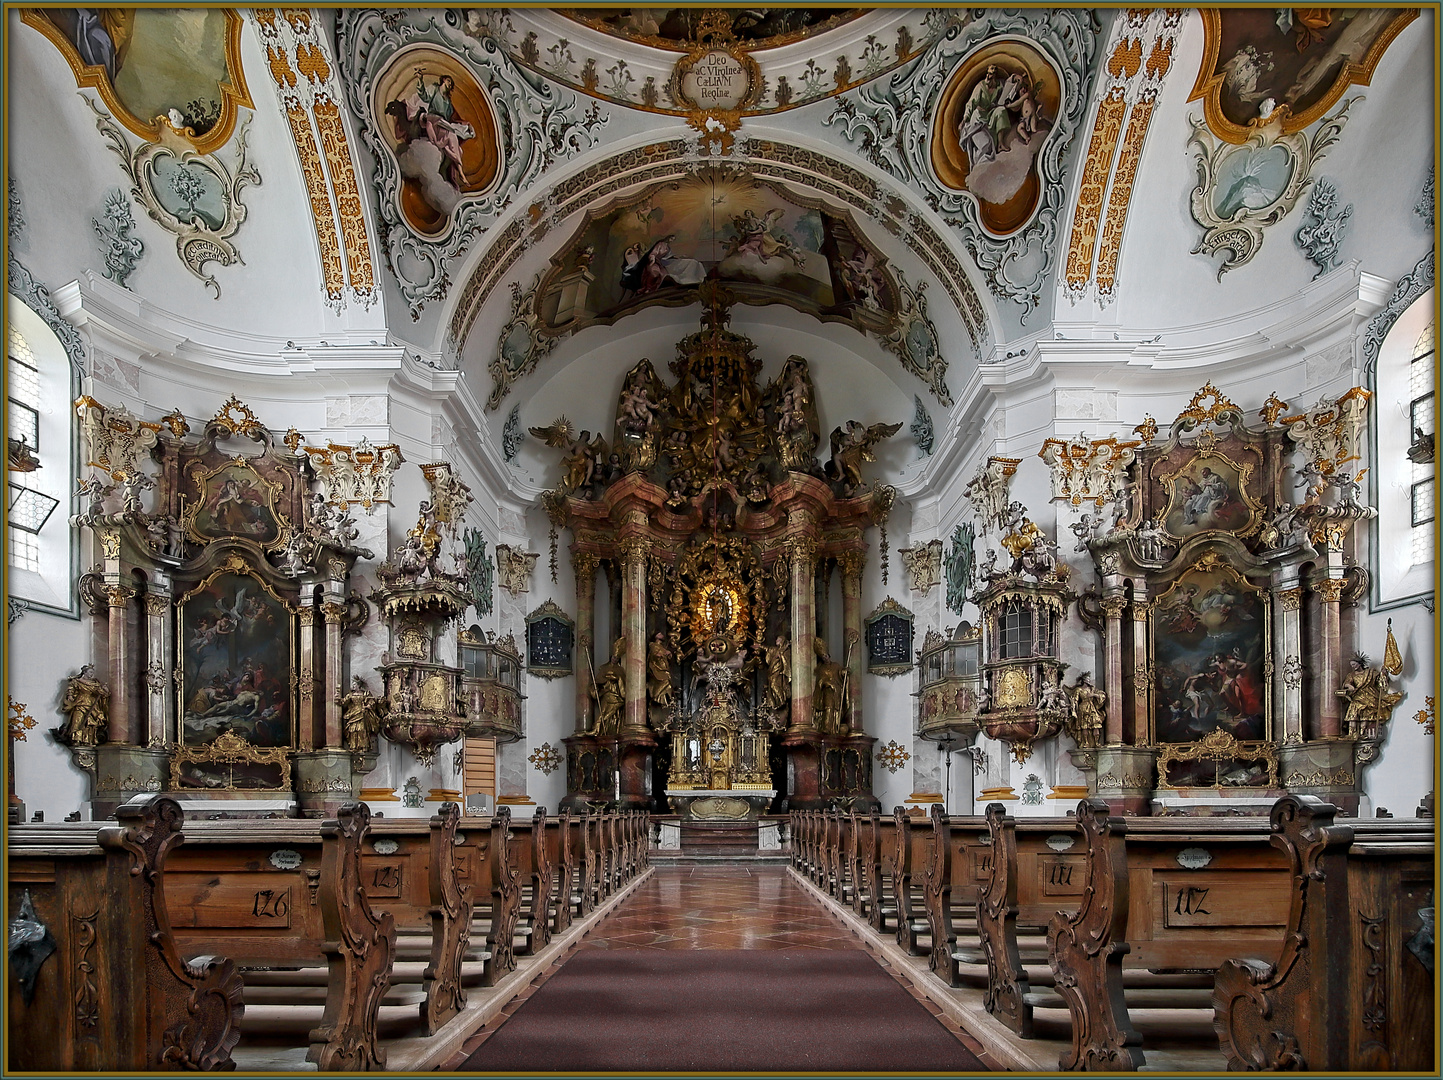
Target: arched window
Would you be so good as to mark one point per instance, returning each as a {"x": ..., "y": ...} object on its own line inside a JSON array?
[
  {"x": 1402, "y": 468},
  {"x": 41, "y": 462}
]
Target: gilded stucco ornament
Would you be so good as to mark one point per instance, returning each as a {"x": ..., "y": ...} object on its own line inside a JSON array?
[
  {"x": 915, "y": 341},
  {"x": 195, "y": 197},
  {"x": 536, "y": 126},
  {"x": 1242, "y": 189},
  {"x": 889, "y": 122}
]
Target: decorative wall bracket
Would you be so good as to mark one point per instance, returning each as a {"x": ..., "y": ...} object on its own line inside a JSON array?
[
  {"x": 1088, "y": 470},
  {"x": 987, "y": 491},
  {"x": 356, "y": 474},
  {"x": 1242, "y": 189},
  {"x": 923, "y": 564},
  {"x": 514, "y": 568},
  {"x": 193, "y": 196}
]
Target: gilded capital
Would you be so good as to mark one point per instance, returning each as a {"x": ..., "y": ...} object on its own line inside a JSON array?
[
  {"x": 156, "y": 604},
  {"x": 583, "y": 565},
  {"x": 1291, "y": 599},
  {"x": 1330, "y": 589},
  {"x": 119, "y": 595},
  {"x": 307, "y": 615},
  {"x": 1113, "y": 606},
  {"x": 851, "y": 563},
  {"x": 334, "y": 613},
  {"x": 634, "y": 549}
]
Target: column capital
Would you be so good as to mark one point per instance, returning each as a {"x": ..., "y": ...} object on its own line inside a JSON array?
[
  {"x": 1290, "y": 599},
  {"x": 852, "y": 562},
  {"x": 334, "y": 613},
  {"x": 156, "y": 604},
  {"x": 119, "y": 595},
  {"x": 1330, "y": 589},
  {"x": 1112, "y": 606}
]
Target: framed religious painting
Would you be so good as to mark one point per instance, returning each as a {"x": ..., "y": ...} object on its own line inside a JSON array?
[
  {"x": 1212, "y": 655},
  {"x": 235, "y": 657},
  {"x": 1209, "y": 493},
  {"x": 235, "y": 502}
]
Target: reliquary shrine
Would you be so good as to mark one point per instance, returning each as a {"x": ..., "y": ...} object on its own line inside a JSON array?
[{"x": 718, "y": 528}]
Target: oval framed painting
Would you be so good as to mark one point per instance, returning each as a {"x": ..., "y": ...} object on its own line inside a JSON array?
[
  {"x": 993, "y": 118},
  {"x": 153, "y": 66},
  {"x": 439, "y": 125}
]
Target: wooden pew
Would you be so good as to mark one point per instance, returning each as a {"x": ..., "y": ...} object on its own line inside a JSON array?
[
  {"x": 113, "y": 992},
  {"x": 566, "y": 865},
  {"x": 907, "y": 857},
  {"x": 534, "y": 854},
  {"x": 292, "y": 894},
  {"x": 1352, "y": 986}
]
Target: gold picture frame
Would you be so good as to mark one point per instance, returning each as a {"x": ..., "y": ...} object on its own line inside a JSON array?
[{"x": 233, "y": 90}]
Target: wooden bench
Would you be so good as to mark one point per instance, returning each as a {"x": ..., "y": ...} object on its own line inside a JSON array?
[
  {"x": 906, "y": 858},
  {"x": 111, "y": 990},
  {"x": 1352, "y": 986}
]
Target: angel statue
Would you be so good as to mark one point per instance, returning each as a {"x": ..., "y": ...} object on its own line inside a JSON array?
[
  {"x": 581, "y": 454},
  {"x": 852, "y": 445}
]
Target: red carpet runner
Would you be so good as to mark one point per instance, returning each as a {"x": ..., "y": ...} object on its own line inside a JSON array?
[{"x": 730, "y": 1010}]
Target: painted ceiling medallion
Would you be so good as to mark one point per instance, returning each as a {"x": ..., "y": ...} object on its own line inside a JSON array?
[
  {"x": 156, "y": 69},
  {"x": 991, "y": 122},
  {"x": 1287, "y": 65},
  {"x": 717, "y": 81},
  {"x": 438, "y": 123}
]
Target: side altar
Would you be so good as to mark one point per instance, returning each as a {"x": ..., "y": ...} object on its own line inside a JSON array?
[{"x": 718, "y": 532}]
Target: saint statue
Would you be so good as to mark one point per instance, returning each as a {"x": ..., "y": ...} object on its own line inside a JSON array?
[
  {"x": 828, "y": 691},
  {"x": 609, "y": 692},
  {"x": 1087, "y": 715},
  {"x": 1370, "y": 702},
  {"x": 86, "y": 704},
  {"x": 360, "y": 717},
  {"x": 658, "y": 671},
  {"x": 779, "y": 675}
]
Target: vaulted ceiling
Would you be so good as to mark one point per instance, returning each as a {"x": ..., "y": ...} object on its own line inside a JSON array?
[{"x": 540, "y": 197}]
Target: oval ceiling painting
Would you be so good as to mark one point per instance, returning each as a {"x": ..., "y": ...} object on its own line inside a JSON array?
[
  {"x": 441, "y": 129},
  {"x": 992, "y": 120},
  {"x": 153, "y": 66}
]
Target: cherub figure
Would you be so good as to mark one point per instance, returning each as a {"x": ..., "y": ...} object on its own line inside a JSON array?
[{"x": 852, "y": 445}]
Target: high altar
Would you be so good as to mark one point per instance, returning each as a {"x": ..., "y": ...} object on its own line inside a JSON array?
[{"x": 718, "y": 529}]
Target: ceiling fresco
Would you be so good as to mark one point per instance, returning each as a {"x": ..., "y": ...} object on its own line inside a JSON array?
[
  {"x": 987, "y": 152},
  {"x": 680, "y": 28},
  {"x": 440, "y": 127},
  {"x": 765, "y": 245},
  {"x": 1287, "y": 65},
  {"x": 156, "y": 66},
  {"x": 628, "y": 56},
  {"x": 989, "y": 128}
]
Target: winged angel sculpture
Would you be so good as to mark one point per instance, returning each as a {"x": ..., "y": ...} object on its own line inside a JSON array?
[
  {"x": 582, "y": 456},
  {"x": 852, "y": 445}
]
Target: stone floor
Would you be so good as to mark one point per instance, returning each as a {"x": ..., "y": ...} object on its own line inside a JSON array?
[{"x": 720, "y": 907}]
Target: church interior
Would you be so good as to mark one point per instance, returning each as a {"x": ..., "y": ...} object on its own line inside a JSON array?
[{"x": 530, "y": 529}]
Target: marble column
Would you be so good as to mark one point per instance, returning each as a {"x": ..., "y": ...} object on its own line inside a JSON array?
[
  {"x": 160, "y": 664},
  {"x": 1141, "y": 667},
  {"x": 1112, "y": 607},
  {"x": 122, "y": 674},
  {"x": 851, "y": 563},
  {"x": 333, "y": 686},
  {"x": 633, "y": 628},
  {"x": 1329, "y": 672},
  {"x": 310, "y": 720},
  {"x": 583, "y": 566},
  {"x": 1288, "y": 665},
  {"x": 802, "y": 551}
]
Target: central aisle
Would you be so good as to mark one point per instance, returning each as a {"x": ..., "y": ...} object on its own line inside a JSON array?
[{"x": 722, "y": 968}]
